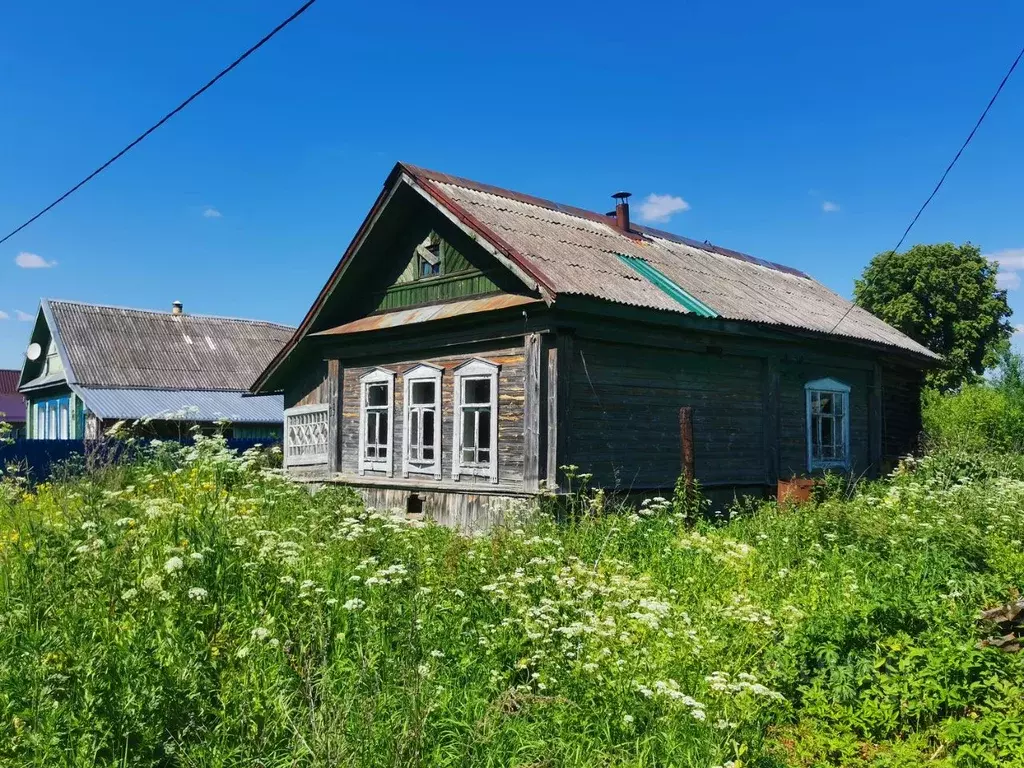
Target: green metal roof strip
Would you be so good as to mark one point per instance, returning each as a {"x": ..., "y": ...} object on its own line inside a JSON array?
[{"x": 692, "y": 304}]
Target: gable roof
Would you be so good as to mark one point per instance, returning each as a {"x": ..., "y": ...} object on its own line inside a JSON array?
[
  {"x": 116, "y": 347},
  {"x": 559, "y": 249}
]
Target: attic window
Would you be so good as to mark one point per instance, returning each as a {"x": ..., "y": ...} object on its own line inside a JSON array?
[{"x": 428, "y": 258}]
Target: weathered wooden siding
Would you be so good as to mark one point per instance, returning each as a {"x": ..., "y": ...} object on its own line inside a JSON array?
[
  {"x": 793, "y": 414},
  {"x": 431, "y": 290},
  {"x": 510, "y": 415},
  {"x": 624, "y": 415},
  {"x": 309, "y": 388},
  {"x": 901, "y": 412},
  {"x": 469, "y": 512}
]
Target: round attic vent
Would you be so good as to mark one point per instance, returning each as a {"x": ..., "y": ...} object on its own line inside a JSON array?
[{"x": 34, "y": 351}]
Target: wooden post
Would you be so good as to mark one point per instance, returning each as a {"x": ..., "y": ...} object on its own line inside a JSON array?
[
  {"x": 686, "y": 443},
  {"x": 875, "y": 430},
  {"x": 333, "y": 417},
  {"x": 771, "y": 403},
  {"x": 531, "y": 414},
  {"x": 559, "y": 368}
]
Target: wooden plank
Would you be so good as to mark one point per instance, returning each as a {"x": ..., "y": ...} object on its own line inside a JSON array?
[
  {"x": 531, "y": 413},
  {"x": 875, "y": 430},
  {"x": 686, "y": 443},
  {"x": 562, "y": 389},
  {"x": 770, "y": 430}
]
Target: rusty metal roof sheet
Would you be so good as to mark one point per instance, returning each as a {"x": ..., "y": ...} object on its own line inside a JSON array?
[
  {"x": 433, "y": 312},
  {"x": 578, "y": 252}
]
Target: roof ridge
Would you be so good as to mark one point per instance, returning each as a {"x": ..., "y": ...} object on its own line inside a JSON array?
[
  {"x": 161, "y": 313},
  {"x": 583, "y": 213}
]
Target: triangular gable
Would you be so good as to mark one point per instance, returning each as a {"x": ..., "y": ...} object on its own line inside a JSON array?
[
  {"x": 390, "y": 227},
  {"x": 46, "y": 333}
]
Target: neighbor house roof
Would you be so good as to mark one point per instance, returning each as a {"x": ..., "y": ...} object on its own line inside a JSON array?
[
  {"x": 186, "y": 405},
  {"x": 12, "y": 404},
  {"x": 562, "y": 250},
  {"x": 115, "y": 347}
]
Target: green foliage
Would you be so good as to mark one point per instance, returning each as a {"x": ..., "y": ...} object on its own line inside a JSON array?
[
  {"x": 980, "y": 417},
  {"x": 194, "y": 608},
  {"x": 944, "y": 296}
]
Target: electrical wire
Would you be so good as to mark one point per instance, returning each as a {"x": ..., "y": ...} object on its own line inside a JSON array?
[
  {"x": 161, "y": 121},
  {"x": 948, "y": 168}
]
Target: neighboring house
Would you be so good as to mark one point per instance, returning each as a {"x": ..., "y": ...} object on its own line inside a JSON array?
[
  {"x": 89, "y": 366},
  {"x": 12, "y": 405},
  {"x": 473, "y": 341}
]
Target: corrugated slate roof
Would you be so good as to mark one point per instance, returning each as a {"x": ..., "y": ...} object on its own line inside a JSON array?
[
  {"x": 110, "y": 347},
  {"x": 187, "y": 405},
  {"x": 577, "y": 252}
]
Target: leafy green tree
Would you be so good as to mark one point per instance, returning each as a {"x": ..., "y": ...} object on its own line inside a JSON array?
[{"x": 943, "y": 296}]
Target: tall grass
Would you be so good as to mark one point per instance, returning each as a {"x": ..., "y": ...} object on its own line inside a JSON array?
[{"x": 193, "y": 609}]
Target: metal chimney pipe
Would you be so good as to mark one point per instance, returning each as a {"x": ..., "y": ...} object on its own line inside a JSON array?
[{"x": 176, "y": 308}]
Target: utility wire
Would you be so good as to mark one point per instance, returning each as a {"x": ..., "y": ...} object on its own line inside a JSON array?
[
  {"x": 162, "y": 120},
  {"x": 948, "y": 168}
]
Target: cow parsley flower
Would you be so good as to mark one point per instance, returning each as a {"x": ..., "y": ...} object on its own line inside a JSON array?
[
  {"x": 174, "y": 564},
  {"x": 197, "y": 593}
]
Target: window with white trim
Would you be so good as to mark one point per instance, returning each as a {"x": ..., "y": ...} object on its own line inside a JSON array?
[
  {"x": 375, "y": 423},
  {"x": 476, "y": 420},
  {"x": 422, "y": 421},
  {"x": 828, "y": 424}
]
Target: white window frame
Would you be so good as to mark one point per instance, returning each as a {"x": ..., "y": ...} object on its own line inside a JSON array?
[
  {"x": 475, "y": 369},
  {"x": 831, "y": 387},
  {"x": 420, "y": 373},
  {"x": 377, "y": 376}
]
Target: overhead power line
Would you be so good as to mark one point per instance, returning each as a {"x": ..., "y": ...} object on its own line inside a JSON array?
[
  {"x": 949, "y": 167},
  {"x": 162, "y": 120}
]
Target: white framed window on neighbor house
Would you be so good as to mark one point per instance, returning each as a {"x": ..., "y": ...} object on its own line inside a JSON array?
[
  {"x": 476, "y": 420},
  {"x": 376, "y": 425},
  {"x": 422, "y": 422},
  {"x": 828, "y": 424}
]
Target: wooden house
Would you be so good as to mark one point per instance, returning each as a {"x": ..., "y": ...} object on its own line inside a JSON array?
[
  {"x": 12, "y": 404},
  {"x": 90, "y": 366},
  {"x": 473, "y": 341}
]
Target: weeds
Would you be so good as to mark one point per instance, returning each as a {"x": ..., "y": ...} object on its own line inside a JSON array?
[{"x": 193, "y": 608}]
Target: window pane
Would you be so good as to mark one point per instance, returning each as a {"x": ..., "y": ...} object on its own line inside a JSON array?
[
  {"x": 428, "y": 453},
  {"x": 423, "y": 392},
  {"x": 377, "y": 394},
  {"x": 371, "y": 428},
  {"x": 371, "y": 451},
  {"x": 484, "y": 428},
  {"x": 468, "y": 457},
  {"x": 428, "y": 428},
  {"x": 382, "y": 427},
  {"x": 477, "y": 391},
  {"x": 484, "y": 454},
  {"x": 468, "y": 430},
  {"x": 382, "y": 452},
  {"x": 827, "y": 436},
  {"x": 414, "y": 432},
  {"x": 826, "y": 402}
]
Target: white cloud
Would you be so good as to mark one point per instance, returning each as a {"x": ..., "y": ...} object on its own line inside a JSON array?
[
  {"x": 3, "y": 315},
  {"x": 1008, "y": 281},
  {"x": 212, "y": 213},
  {"x": 1011, "y": 263},
  {"x": 25, "y": 317},
  {"x": 1018, "y": 330},
  {"x": 662, "y": 207},
  {"x": 829, "y": 207},
  {"x": 27, "y": 260}
]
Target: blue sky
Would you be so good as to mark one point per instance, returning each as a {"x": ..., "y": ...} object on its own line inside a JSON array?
[{"x": 802, "y": 133}]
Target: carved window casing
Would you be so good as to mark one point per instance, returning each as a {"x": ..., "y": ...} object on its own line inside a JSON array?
[
  {"x": 305, "y": 435},
  {"x": 476, "y": 420},
  {"x": 422, "y": 423},
  {"x": 828, "y": 424},
  {"x": 376, "y": 421}
]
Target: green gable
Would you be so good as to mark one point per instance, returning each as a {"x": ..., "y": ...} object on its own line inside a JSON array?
[{"x": 435, "y": 271}]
